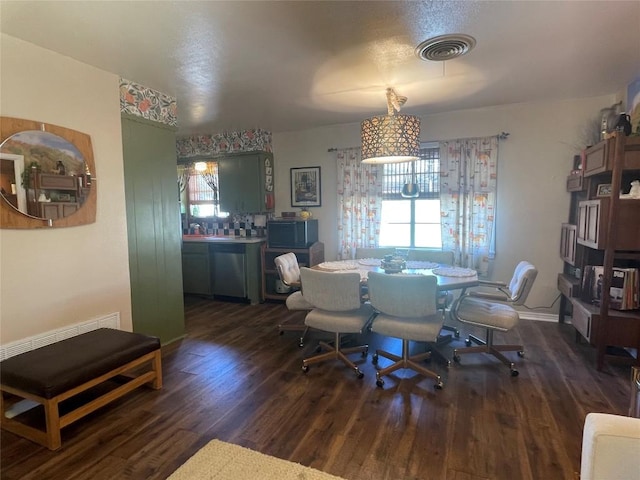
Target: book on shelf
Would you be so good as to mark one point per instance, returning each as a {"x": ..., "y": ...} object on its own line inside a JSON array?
[{"x": 624, "y": 293}]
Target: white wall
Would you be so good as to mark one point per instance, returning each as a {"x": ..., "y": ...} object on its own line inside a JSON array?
[
  {"x": 53, "y": 278},
  {"x": 58, "y": 277},
  {"x": 533, "y": 164}
]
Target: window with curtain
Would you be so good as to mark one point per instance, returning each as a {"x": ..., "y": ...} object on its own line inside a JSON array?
[
  {"x": 412, "y": 222},
  {"x": 201, "y": 186}
]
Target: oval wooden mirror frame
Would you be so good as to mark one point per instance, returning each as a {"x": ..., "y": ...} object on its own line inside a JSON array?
[{"x": 12, "y": 218}]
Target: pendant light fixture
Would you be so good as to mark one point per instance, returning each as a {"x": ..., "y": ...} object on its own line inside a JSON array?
[
  {"x": 411, "y": 189},
  {"x": 391, "y": 138}
]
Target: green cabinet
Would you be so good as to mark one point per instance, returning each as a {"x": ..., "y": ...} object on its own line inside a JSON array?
[
  {"x": 246, "y": 182},
  {"x": 196, "y": 269},
  {"x": 226, "y": 269}
]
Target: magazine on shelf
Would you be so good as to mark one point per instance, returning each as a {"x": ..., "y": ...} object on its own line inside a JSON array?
[{"x": 624, "y": 293}]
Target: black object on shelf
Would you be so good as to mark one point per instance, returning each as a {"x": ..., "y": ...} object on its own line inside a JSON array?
[{"x": 624, "y": 124}]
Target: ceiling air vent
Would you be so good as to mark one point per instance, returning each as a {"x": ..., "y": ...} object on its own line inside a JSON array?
[{"x": 445, "y": 47}]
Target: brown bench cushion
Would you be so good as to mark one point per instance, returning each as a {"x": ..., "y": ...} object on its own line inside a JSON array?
[{"x": 51, "y": 370}]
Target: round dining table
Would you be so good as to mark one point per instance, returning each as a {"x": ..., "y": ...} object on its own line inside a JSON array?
[{"x": 449, "y": 277}]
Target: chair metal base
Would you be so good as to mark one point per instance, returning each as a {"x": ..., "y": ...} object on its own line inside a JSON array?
[
  {"x": 487, "y": 346},
  {"x": 293, "y": 327},
  {"x": 436, "y": 353},
  {"x": 406, "y": 361},
  {"x": 445, "y": 339},
  {"x": 334, "y": 351}
]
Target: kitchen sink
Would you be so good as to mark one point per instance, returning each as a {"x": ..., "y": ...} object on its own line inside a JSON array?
[{"x": 210, "y": 238}]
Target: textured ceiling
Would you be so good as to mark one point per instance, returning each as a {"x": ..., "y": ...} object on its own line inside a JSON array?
[{"x": 286, "y": 66}]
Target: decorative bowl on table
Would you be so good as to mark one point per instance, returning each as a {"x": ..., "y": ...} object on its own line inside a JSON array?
[{"x": 393, "y": 265}]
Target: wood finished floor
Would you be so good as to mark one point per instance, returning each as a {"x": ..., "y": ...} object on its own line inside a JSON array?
[{"x": 234, "y": 378}]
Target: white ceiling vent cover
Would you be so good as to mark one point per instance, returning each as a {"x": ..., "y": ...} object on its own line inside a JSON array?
[{"x": 445, "y": 47}]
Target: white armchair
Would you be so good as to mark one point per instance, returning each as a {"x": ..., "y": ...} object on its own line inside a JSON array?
[
  {"x": 493, "y": 312},
  {"x": 289, "y": 273},
  {"x": 610, "y": 448}
]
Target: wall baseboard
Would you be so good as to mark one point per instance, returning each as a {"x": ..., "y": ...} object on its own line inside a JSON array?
[
  {"x": 113, "y": 321},
  {"x": 27, "y": 344}
]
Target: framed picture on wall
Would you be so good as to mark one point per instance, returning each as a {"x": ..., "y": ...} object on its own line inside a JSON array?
[
  {"x": 305, "y": 187},
  {"x": 604, "y": 190}
]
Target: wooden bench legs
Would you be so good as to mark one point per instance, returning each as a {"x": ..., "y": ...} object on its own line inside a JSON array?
[{"x": 50, "y": 437}]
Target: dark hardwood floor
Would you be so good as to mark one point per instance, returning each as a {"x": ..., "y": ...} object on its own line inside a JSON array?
[{"x": 234, "y": 378}]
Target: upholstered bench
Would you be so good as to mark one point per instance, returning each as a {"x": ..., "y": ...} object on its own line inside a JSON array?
[{"x": 52, "y": 374}]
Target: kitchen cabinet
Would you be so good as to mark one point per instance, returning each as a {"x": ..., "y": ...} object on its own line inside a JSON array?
[
  {"x": 246, "y": 182},
  {"x": 222, "y": 267},
  {"x": 196, "y": 269}
]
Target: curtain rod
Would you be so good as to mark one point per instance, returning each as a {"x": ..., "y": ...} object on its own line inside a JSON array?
[{"x": 500, "y": 136}]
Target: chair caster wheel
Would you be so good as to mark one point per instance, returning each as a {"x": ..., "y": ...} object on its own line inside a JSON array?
[
  {"x": 305, "y": 368},
  {"x": 359, "y": 374},
  {"x": 374, "y": 358},
  {"x": 467, "y": 342},
  {"x": 365, "y": 353},
  {"x": 439, "y": 385},
  {"x": 521, "y": 353},
  {"x": 514, "y": 373},
  {"x": 301, "y": 344},
  {"x": 456, "y": 334},
  {"x": 380, "y": 383},
  {"x": 456, "y": 358}
]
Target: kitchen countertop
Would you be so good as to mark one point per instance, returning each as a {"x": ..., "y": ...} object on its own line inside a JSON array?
[{"x": 221, "y": 239}]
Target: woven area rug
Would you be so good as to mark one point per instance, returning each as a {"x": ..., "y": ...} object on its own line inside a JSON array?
[{"x": 224, "y": 461}]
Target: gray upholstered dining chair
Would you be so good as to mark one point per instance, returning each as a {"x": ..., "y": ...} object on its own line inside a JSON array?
[
  {"x": 289, "y": 273},
  {"x": 337, "y": 309},
  {"x": 407, "y": 309},
  {"x": 493, "y": 312},
  {"x": 442, "y": 257},
  {"x": 378, "y": 252}
]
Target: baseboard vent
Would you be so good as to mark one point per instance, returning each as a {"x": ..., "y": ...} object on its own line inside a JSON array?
[
  {"x": 541, "y": 317},
  {"x": 25, "y": 345}
]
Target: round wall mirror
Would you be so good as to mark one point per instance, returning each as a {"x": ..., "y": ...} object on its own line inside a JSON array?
[{"x": 43, "y": 175}]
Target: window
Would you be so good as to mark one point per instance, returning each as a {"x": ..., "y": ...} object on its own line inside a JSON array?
[
  {"x": 202, "y": 191},
  {"x": 412, "y": 222}
]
